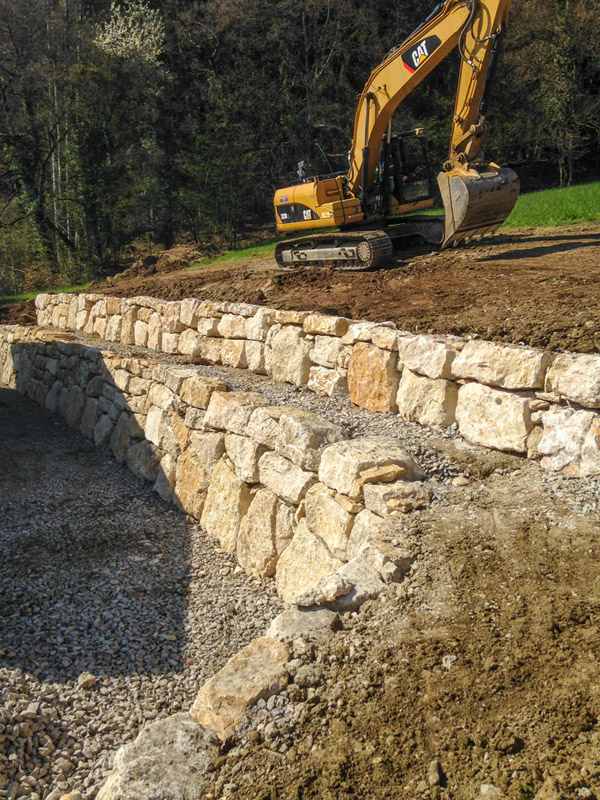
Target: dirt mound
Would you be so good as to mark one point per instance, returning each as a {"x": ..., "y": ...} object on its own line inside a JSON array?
[
  {"x": 174, "y": 260},
  {"x": 21, "y": 313},
  {"x": 485, "y": 660}
]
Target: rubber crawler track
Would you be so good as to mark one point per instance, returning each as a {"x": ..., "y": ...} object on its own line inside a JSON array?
[{"x": 378, "y": 248}]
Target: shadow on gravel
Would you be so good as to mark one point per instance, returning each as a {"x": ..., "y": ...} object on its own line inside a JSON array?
[{"x": 93, "y": 565}]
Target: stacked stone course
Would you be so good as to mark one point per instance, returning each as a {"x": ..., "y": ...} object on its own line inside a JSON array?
[{"x": 503, "y": 396}]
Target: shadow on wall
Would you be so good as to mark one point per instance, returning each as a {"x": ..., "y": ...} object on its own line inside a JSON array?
[{"x": 94, "y": 569}]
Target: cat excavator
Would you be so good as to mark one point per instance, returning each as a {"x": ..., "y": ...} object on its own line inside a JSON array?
[{"x": 372, "y": 206}]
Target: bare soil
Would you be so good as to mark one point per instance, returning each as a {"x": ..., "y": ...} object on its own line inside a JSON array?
[
  {"x": 540, "y": 286},
  {"x": 486, "y": 659}
]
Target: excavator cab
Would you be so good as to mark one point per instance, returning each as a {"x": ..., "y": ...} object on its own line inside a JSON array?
[{"x": 411, "y": 179}]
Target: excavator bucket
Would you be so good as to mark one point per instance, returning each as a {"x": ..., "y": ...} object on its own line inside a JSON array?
[{"x": 476, "y": 203}]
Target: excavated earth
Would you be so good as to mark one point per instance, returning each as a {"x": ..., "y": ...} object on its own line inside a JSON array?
[{"x": 540, "y": 286}]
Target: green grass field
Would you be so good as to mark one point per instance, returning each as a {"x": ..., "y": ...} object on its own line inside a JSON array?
[{"x": 557, "y": 207}]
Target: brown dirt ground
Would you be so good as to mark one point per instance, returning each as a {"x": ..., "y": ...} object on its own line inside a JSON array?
[
  {"x": 540, "y": 286},
  {"x": 506, "y": 583}
]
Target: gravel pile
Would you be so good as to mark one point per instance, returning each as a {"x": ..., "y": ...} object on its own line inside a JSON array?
[{"x": 114, "y": 610}]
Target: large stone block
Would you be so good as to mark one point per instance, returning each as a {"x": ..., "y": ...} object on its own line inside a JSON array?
[
  {"x": 289, "y": 359},
  {"x": 263, "y": 425},
  {"x": 494, "y": 418},
  {"x": 343, "y": 463},
  {"x": 286, "y": 479},
  {"x": 304, "y": 562},
  {"x": 426, "y": 401},
  {"x": 576, "y": 376},
  {"x": 326, "y": 350},
  {"x": 190, "y": 342},
  {"x": 231, "y": 411},
  {"x": 427, "y": 355},
  {"x": 197, "y": 390},
  {"x": 143, "y": 459},
  {"x": 265, "y": 532},
  {"x": 399, "y": 497},
  {"x": 509, "y": 366},
  {"x": 571, "y": 442},
  {"x": 258, "y": 325},
  {"x": 373, "y": 377},
  {"x": 256, "y": 672},
  {"x": 303, "y": 435},
  {"x": 232, "y": 326},
  {"x": 233, "y": 353},
  {"x": 327, "y": 519},
  {"x": 382, "y": 543},
  {"x": 194, "y": 469},
  {"x": 227, "y": 502},
  {"x": 326, "y": 325},
  {"x": 245, "y": 454},
  {"x": 327, "y": 382}
]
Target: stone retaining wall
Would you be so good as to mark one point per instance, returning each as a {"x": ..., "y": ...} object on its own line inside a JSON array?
[{"x": 507, "y": 397}]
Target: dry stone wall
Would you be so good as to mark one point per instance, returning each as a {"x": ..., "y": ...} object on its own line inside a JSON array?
[{"x": 507, "y": 397}]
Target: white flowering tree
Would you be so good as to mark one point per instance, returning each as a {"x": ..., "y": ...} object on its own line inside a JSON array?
[{"x": 134, "y": 31}]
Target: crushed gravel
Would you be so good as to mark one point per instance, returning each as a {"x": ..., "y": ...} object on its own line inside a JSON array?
[{"x": 100, "y": 576}]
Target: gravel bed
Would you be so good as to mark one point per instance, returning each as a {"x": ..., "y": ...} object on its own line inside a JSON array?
[{"x": 99, "y": 575}]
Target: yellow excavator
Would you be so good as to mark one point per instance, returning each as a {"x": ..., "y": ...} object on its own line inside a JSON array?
[{"x": 389, "y": 178}]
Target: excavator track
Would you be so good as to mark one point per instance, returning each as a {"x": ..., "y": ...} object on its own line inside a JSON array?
[{"x": 346, "y": 251}]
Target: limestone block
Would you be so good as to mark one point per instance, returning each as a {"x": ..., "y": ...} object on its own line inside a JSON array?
[
  {"x": 121, "y": 379},
  {"x": 170, "y": 342},
  {"x": 258, "y": 325},
  {"x": 256, "y": 672},
  {"x": 431, "y": 356},
  {"x": 255, "y": 357},
  {"x": 509, "y": 366},
  {"x": 52, "y": 396},
  {"x": 113, "y": 328},
  {"x": 265, "y": 532},
  {"x": 174, "y": 377},
  {"x": 290, "y": 355},
  {"x": 197, "y": 390},
  {"x": 194, "y": 469},
  {"x": 232, "y": 326},
  {"x": 159, "y": 395},
  {"x": 210, "y": 350},
  {"x": 143, "y": 459},
  {"x": 284, "y": 317},
  {"x": 227, "y": 501},
  {"x": 154, "y": 424},
  {"x": 99, "y": 329},
  {"x": 364, "y": 581},
  {"x": 326, "y": 351},
  {"x": 303, "y": 435},
  {"x": 42, "y": 300},
  {"x": 208, "y": 326},
  {"x": 316, "y": 624},
  {"x": 325, "y": 324},
  {"x": 493, "y": 417},
  {"x": 576, "y": 376},
  {"x": 343, "y": 462},
  {"x": 231, "y": 411},
  {"x": 373, "y": 378},
  {"x": 120, "y": 438},
  {"x": 113, "y": 306},
  {"x": 327, "y": 519},
  {"x": 164, "y": 485},
  {"x": 286, "y": 479},
  {"x": 81, "y": 319},
  {"x": 360, "y": 332},
  {"x": 381, "y": 542},
  {"x": 190, "y": 343},
  {"x": 128, "y": 325},
  {"x": 263, "y": 425},
  {"x": 194, "y": 419},
  {"x": 73, "y": 408},
  {"x": 103, "y": 430},
  {"x": 325, "y": 591},
  {"x": 155, "y": 331},
  {"x": 387, "y": 337},
  {"x": 427, "y": 401},
  {"x": 233, "y": 353},
  {"x": 188, "y": 312},
  {"x": 304, "y": 562},
  {"x": 140, "y": 333},
  {"x": 241, "y": 309},
  {"x": 72, "y": 315},
  {"x": 89, "y": 418},
  {"x": 399, "y": 496},
  {"x": 327, "y": 382},
  {"x": 172, "y": 317},
  {"x": 138, "y": 387},
  {"x": 571, "y": 442},
  {"x": 245, "y": 454}
]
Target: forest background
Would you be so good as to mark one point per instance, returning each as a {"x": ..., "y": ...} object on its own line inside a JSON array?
[{"x": 139, "y": 124}]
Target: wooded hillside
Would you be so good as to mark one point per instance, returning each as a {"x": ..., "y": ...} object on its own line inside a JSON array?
[{"x": 160, "y": 121}]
